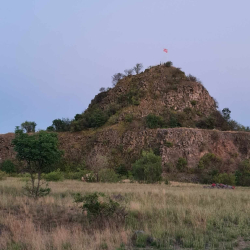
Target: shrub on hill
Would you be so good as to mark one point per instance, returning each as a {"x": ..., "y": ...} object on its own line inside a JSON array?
[
  {"x": 181, "y": 164},
  {"x": 148, "y": 168},
  {"x": 154, "y": 121}
]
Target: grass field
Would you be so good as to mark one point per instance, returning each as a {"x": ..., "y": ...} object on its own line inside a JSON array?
[{"x": 176, "y": 216}]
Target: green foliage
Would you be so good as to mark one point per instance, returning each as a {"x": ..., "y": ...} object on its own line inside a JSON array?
[
  {"x": 166, "y": 181},
  {"x": 181, "y": 164},
  {"x": 108, "y": 175},
  {"x": 148, "y": 168},
  {"x": 2, "y": 175},
  {"x": 154, "y": 121},
  {"x": 39, "y": 152},
  {"x": 54, "y": 176},
  {"x": 209, "y": 161},
  {"x": 242, "y": 175},
  {"x": 8, "y": 167},
  {"x": 168, "y": 64},
  {"x": 206, "y": 123},
  {"x": 121, "y": 170},
  {"x": 225, "y": 178},
  {"x": 60, "y": 125},
  {"x": 29, "y": 126},
  {"x": 101, "y": 208},
  {"x": 193, "y": 102},
  {"x": 128, "y": 117},
  {"x": 168, "y": 144}
]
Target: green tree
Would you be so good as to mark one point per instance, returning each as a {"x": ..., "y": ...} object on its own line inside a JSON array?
[
  {"x": 39, "y": 152},
  {"x": 29, "y": 126},
  {"x": 148, "y": 168}
]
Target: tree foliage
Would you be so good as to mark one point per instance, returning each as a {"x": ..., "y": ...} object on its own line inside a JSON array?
[
  {"x": 29, "y": 126},
  {"x": 39, "y": 152}
]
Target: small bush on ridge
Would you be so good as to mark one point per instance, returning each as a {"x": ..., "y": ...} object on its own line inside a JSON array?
[{"x": 181, "y": 164}]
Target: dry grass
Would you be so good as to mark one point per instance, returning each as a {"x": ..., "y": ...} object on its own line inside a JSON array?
[{"x": 178, "y": 216}]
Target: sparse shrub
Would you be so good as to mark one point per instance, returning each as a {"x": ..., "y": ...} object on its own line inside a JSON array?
[
  {"x": 166, "y": 181},
  {"x": 2, "y": 175},
  {"x": 191, "y": 78},
  {"x": 116, "y": 78},
  {"x": 108, "y": 175},
  {"x": 102, "y": 209},
  {"x": 113, "y": 119},
  {"x": 193, "y": 102},
  {"x": 168, "y": 64},
  {"x": 128, "y": 117},
  {"x": 148, "y": 168},
  {"x": 138, "y": 67},
  {"x": 225, "y": 178},
  {"x": 154, "y": 121},
  {"x": 102, "y": 89},
  {"x": 181, "y": 164},
  {"x": 54, "y": 176},
  {"x": 169, "y": 144},
  {"x": 8, "y": 167}
]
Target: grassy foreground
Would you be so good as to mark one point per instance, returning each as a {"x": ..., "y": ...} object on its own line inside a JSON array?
[{"x": 177, "y": 216}]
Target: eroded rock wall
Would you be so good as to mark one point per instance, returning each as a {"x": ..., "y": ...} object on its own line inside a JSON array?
[{"x": 188, "y": 143}]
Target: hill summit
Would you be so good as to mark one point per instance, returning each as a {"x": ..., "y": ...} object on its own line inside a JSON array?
[{"x": 163, "y": 91}]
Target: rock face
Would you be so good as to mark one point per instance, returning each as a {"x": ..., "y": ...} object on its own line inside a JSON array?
[{"x": 110, "y": 144}]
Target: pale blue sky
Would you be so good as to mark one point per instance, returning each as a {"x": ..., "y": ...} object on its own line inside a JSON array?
[{"x": 56, "y": 54}]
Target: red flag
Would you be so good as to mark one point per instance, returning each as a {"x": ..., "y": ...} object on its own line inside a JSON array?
[{"x": 165, "y": 50}]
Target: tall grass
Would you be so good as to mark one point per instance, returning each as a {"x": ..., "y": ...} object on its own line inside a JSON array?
[{"x": 177, "y": 216}]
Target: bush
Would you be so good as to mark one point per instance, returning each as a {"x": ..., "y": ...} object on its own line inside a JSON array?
[
  {"x": 154, "y": 121},
  {"x": 181, "y": 164},
  {"x": 209, "y": 160},
  {"x": 148, "y": 168},
  {"x": 2, "y": 175},
  {"x": 166, "y": 182},
  {"x": 8, "y": 167},
  {"x": 193, "y": 102},
  {"x": 168, "y": 64},
  {"x": 242, "y": 175},
  {"x": 128, "y": 117},
  {"x": 102, "y": 209},
  {"x": 225, "y": 178},
  {"x": 54, "y": 176},
  {"x": 108, "y": 175}
]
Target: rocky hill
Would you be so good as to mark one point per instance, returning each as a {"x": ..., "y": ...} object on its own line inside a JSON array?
[{"x": 181, "y": 103}]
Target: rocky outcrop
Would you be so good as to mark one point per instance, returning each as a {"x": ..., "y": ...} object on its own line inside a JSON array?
[{"x": 172, "y": 143}]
